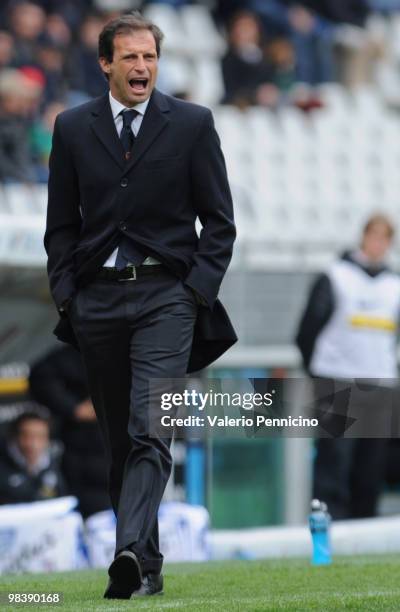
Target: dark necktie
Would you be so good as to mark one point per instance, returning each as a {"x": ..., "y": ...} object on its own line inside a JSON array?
[
  {"x": 127, "y": 136},
  {"x": 128, "y": 252}
]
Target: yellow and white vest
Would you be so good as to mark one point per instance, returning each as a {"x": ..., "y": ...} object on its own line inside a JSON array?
[{"x": 359, "y": 340}]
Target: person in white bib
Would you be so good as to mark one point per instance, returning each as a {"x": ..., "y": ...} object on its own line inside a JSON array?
[{"x": 348, "y": 335}]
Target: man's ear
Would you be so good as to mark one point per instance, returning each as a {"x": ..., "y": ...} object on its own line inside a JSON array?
[{"x": 104, "y": 65}]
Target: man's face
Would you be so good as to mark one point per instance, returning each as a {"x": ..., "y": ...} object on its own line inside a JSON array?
[
  {"x": 133, "y": 70},
  {"x": 376, "y": 242},
  {"x": 33, "y": 439}
]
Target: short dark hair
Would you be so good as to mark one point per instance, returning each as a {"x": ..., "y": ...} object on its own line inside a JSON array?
[
  {"x": 132, "y": 22},
  {"x": 32, "y": 415}
]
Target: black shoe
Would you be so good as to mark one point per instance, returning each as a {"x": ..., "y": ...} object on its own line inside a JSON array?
[
  {"x": 152, "y": 584},
  {"x": 125, "y": 576},
  {"x": 115, "y": 591}
]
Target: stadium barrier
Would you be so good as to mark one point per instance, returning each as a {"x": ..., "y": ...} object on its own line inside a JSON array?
[
  {"x": 355, "y": 537},
  {"x": 41, "y": 537},
  {"x": 50, "y": 536}
]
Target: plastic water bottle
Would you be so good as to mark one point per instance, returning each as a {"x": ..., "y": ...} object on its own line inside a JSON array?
[{"x": 320, "y": 521}]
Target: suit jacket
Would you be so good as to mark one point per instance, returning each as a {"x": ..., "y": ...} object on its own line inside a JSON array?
[
  {"x": 58, "y": 381},
  {"x": 176, "y": 173}
]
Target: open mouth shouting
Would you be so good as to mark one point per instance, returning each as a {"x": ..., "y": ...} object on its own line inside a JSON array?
[{"x": 138, "y": 85}]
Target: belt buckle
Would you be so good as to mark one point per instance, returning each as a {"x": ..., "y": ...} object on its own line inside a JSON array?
[{"x": 132, "y": 268}]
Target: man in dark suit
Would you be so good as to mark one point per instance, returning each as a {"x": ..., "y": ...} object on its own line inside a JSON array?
[
  {"x": 57, "y": 380},
  {"x": 135, "y": 285}
]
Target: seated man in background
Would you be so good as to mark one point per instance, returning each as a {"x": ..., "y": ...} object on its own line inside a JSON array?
[
  {"x": 58, "y": 382},
  {"x": 29, "y": 464}
]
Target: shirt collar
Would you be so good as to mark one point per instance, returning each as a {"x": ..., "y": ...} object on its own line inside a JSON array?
[
  {"x": 42, "y": 463},
  {"x": 117, "y": 107}
]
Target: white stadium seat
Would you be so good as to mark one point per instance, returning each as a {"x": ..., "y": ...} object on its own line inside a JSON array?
[
  {"x": 176, "y": 74},
  {"x": 207, "y": 81},
  {"x": 169, "y": 21},
  {"x": 201, "y": 33}
]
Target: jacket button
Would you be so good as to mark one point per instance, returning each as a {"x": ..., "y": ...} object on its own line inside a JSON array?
[
  {"x": 122, "y": 226},
  {"x": 124, "y": 182}
]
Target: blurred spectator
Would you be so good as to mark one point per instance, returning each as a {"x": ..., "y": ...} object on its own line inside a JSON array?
[
  {"x": 41, "y": 135},
  {"x": 50, "y": 58},
  {"x": 6, "y": 49},
  {"x": 348, "y": 333},
  {"x": 247, "y": 75},
  {"x": 35, "y": 83},
  {"x": 73, "y": 11},
  {"x": 29, "y": 465},
  {"x": 58, "y": 30},
  {"x": 310, "y": 34},
  {"x": 27, "y": 24},
  {"x": 58, "y": 382},
  {"x": 85, "y": 74},
  {"x": 353, "y": 12},
  {"x": 15, "y": 160},
  {"x": 225, "y": 9},
  {"x": 282, "y": 58}
]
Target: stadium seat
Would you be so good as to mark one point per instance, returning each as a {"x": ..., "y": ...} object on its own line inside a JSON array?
[
  {"x": 367, "y": 101},
  {"x": 335, "y": 98},
  {"x": 395, "y": 35},
  {"x": 19, "y": 199},
  {"x": 169, "y": 21},
  {"x": 175, "y": 73},
  {"x": 207, "y": 81},
  {"x": 200, "y": 30}
]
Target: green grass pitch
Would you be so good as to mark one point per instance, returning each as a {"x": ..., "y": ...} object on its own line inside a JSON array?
[{"x": 350, "y": 583}]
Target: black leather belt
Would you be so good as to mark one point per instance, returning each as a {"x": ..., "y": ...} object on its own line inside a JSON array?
[{"x": 130, "y": 273}]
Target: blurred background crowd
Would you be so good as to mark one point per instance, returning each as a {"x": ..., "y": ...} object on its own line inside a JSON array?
[{"x": 246, "y": 52}]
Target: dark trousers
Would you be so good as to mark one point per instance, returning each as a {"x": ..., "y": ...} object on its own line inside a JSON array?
[
  {"x": 130, "y": 332},
  {"x": 349, "y": 475},
  {"x": 349, "y": 468}
]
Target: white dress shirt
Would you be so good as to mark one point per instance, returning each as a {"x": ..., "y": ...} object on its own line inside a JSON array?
[{"x": 116, "y": 108}]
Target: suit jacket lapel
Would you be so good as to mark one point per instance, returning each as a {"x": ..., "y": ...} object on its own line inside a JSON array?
[
  {"x": 154, "y": 121},
  {"x": 104, "y": 127}
]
